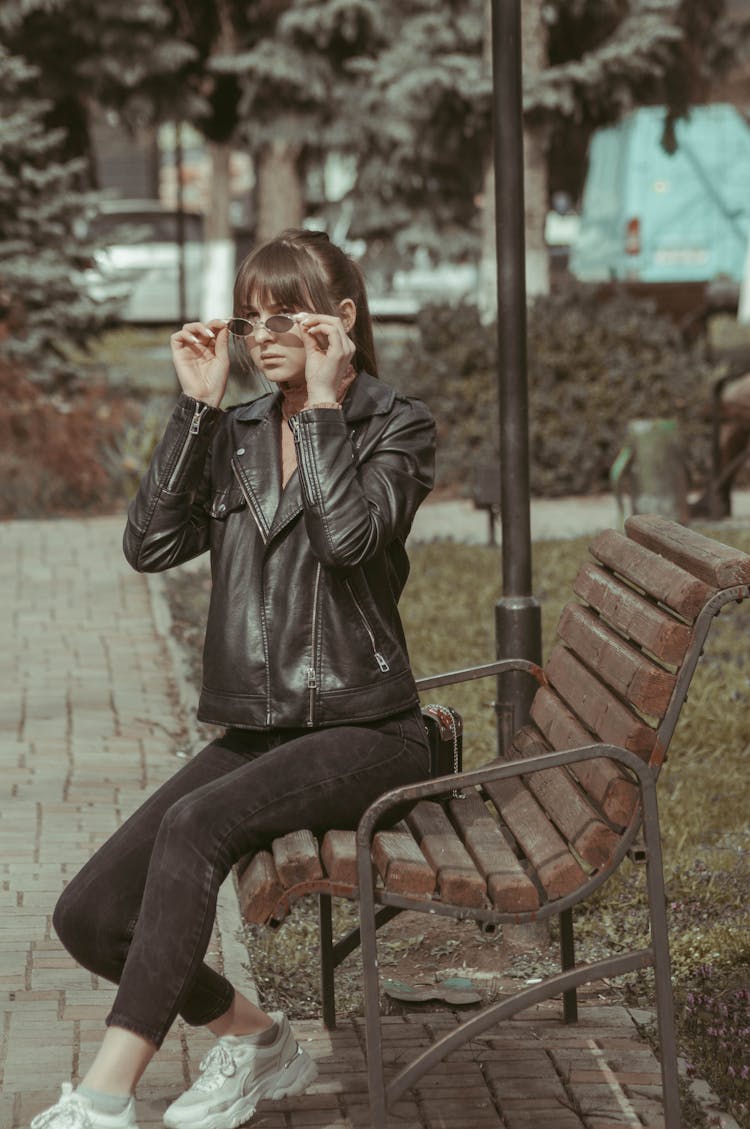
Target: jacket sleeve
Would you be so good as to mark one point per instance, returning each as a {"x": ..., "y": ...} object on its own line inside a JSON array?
[
  {"x": 167, "y": 522},
  {"x": 355, "y": 505}
]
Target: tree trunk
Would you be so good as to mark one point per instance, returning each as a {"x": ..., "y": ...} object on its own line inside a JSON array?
[
  {"x": 487, "y": 281},
  {"x": 534, "y": 48},
  {"x": 279, "y": 193},
  {"x": 218, "y": 274},
  {"x": 534, "y": 57}
]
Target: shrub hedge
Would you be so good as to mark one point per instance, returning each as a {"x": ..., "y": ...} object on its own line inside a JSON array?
[
  {"x": 593, "y": 364},
  {"x": 52, "y": 448}
]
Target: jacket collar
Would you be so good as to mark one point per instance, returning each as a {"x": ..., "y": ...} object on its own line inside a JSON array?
[
  {"x": 258, "y": 464},
  {"x": 367, "y": 397}
]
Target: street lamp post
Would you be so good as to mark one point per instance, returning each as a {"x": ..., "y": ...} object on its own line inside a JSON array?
[{"x": 517, "y": 613}]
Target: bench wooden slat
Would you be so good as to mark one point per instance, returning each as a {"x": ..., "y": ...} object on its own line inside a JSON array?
[
  {"x": 605, "y": 781},
  {"x": 624, "y": 668},
  {"x": 597, "y": 707},
  {"x": 296, "y": 858},
  {"x": 718, "y": 565},
  {"x": 509, "y": 886},
  {"x": 565, "y": 803},
  {"x": 644, "y": 623},
  {"x": 558, "y": 871},
  {"x": 401, "y": 865},
  {"x": 259, "y": 888},
  {"x": 458, "y": 880},
  {"x": 667, "y": 582},
  {"x": 338, "y": 853}
]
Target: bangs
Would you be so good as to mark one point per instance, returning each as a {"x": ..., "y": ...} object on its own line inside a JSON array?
[
  {"x": 302, "y": 270},
  {"x": 278, "y": 274}
]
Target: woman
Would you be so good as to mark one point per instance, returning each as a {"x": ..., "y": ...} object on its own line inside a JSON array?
[{"x": 304, "y": 498}]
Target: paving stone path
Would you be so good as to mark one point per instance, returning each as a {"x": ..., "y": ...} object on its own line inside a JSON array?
[{"x": 92, "y": 718}]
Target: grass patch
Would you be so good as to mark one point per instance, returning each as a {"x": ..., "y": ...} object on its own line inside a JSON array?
[
  {"x": 135, "y": 356},
  {"x": 703, "y": 799}
]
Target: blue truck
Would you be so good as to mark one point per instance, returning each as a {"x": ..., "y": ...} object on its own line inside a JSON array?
[{"x": 649, "y": 216}]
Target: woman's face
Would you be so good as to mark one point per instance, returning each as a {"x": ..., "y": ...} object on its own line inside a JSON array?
[{"x": 279, "y": 356}]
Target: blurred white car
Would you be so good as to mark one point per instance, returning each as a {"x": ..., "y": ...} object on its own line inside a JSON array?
[
  {"x": 422, "y": 284},
  {"x": 138, "y": 265}
]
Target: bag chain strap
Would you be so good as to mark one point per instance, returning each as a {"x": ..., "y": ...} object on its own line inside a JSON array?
[{"x": 447, "y": 718}]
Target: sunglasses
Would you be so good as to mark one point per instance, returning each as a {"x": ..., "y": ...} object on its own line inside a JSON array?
[{"x": 277, "y": 323}]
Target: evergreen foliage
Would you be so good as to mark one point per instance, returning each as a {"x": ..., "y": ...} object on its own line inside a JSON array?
[
  {"x": 42, "y": 213},
  {"x": 130, "y": 58},
  {"x": 421, "y": 127},
  {"x": 421, "y": 124},
  {"x": 291, "y": 64},
  {"x": 402, "y": 85}
]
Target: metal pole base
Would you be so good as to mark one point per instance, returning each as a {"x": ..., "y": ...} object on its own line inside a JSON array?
[{"x": 518, "y": 634}]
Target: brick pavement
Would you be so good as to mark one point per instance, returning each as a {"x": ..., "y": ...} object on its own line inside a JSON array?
[{"x": 92, "y": 715}]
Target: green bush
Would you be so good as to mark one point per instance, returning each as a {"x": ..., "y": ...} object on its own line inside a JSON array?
[
  {"x": 44, "y": 305},
  {"x": 593, "y": 365}
]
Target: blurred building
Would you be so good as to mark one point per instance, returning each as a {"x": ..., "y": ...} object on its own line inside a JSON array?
[{"x": 143, "y": 165}]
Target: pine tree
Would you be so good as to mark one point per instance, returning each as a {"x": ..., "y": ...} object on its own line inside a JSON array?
[
  {"x": 421, "y": 118},
  {"x": 43, "y": 309},
  {"x": 128, "y": 58}
]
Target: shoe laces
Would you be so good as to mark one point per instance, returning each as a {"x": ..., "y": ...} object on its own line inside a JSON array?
[
  {"x": 69, "y": 1112},
  {"x": 218, "y": 1065}
]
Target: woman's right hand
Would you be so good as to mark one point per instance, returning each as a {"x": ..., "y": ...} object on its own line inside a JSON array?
[{"x": 200, "y": 351}]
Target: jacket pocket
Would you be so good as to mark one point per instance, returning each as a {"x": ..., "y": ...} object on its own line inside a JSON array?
[
  {"x": 377, "y": 654},
  {"x": 225, "y": 502}
]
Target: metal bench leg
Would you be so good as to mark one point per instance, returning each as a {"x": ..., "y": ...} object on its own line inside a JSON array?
[
  {"x": 375, "y": 1073},
  {"x": 662, "y": 964},
  {"x": 567, "y": 961},
  {"x": 327, "y": 986}
]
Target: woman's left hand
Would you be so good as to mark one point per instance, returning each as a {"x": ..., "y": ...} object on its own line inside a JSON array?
[{"x": 329, "y": 352}]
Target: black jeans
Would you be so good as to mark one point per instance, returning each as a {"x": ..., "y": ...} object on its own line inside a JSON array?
[{"x": 141, "y": 911}]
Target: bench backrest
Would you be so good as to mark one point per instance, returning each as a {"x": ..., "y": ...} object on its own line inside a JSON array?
[
  {"x": 627, "y": 647},
  {"x": 619, "y": 672}
]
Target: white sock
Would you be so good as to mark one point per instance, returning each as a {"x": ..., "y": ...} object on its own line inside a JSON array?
[
  {"x": 262, "y": 1038},
  {"x": 105, "y": 1103}
]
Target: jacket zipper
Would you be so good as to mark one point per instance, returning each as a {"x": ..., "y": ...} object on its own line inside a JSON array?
[
  {"x": 263, "y": 624},
  {"x": 302, "y": 457},
  {"x": 193, "y": 430},
  {"x": 312, "y": 677},
  {"x": 379, "y": 657}
]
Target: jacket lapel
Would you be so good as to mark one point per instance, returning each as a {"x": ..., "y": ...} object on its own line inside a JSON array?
[
  {"x": 257, "y": 463},
  {"x": 289, "y": 507}
]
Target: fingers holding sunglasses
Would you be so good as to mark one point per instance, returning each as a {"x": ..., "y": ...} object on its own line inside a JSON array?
[
  {"x": 198, "y": 335},
  {"x": 329, "y": 353},
  {"x": 201, "y": 359},
  {"x": 329, "y": 334}
]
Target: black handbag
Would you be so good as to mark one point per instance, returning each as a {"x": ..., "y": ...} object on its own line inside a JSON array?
[{"x": 445, "y": 729}]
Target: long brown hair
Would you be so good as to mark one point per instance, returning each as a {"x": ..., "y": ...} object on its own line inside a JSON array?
[{"x": 304, "y": 270}]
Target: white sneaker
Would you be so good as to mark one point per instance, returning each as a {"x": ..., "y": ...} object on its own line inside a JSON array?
[
  {"x": 236, "y": 1075},
  {"x": 74, "y": 1111}
]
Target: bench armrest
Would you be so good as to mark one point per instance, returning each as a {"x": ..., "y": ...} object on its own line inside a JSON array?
[
  {"x": 497, "y": 770},
  {"x": 485, "y": 670}
]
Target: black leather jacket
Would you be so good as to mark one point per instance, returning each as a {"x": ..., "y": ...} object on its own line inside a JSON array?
[{"x": 303, "y": 627}]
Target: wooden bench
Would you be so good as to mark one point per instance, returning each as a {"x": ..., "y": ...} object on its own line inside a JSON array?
[{"x": 532, "y": 834}]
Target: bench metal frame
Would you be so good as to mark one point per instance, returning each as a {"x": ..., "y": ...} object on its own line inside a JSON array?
[{"x": 377, "y": 906}]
